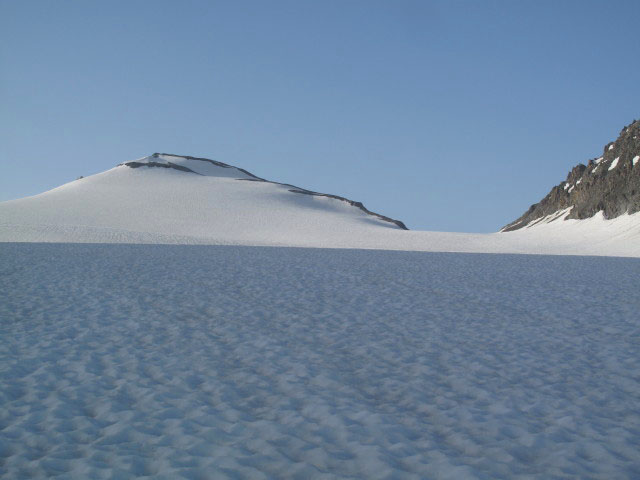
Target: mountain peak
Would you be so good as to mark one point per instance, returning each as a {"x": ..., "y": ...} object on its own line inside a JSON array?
[
  {"x": 609, "y": 184},
  {"x": 213, "y": 168},
  {"x": 188, "y": 164}
]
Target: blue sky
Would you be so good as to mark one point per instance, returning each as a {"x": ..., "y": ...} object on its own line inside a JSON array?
[{"x": 448, "y": 115}]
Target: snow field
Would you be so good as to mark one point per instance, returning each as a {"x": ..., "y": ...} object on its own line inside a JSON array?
[
  {"x": 213, "y": 205},
  {"x": 120, "y": 361}
]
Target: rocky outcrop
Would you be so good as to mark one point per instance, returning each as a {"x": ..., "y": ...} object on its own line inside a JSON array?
[
  {"x": 609, "y": 183},
  {"x": 158, "y": 164}
]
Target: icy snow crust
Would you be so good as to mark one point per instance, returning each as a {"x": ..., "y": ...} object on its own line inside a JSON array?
[
  {"x": 192, "y": 362},
  {"x": 198, "y": 202}
]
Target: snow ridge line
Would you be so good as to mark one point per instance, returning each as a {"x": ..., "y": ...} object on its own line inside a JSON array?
[{"x": 255, "y": 178}]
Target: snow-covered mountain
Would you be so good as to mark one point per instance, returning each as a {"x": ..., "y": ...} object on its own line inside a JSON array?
[
  {"x": 607, "y": 187},
  {"x": 172, "y": 199}
]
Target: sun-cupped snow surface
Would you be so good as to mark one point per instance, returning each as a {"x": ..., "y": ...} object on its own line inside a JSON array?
[
  {"x": 167, "y": 199},
  {"x": 169, "y": 361}
]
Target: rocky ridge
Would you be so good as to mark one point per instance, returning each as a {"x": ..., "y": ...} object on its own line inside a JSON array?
[{"x": 609, "y": 183}]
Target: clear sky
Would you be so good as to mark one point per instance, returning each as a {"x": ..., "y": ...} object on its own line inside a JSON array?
[{"x": 448, "y": 115}]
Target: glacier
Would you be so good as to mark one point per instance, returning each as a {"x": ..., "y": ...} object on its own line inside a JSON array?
[
  {"x": 186, "y": 361},
  {"x": 200, "y": 201},
  {"x": 176, "y": 317}
]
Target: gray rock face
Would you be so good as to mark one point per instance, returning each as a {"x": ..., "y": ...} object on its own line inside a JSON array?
[{"x": 610, "y": 183}]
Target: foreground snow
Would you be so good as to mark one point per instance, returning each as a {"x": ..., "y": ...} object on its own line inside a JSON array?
[
  {"x": 245, "y": 362},
  {"x": 210, "y": 205}
]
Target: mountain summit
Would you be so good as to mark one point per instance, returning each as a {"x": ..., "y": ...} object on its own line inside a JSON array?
[
  {"x": 609, "y": 184},
  {"x": 166, "y": 198},
  {"x": 213, "y": 168}
]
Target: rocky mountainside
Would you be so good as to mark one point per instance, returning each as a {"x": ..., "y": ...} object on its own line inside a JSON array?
[{"x": 609, "y": 183}]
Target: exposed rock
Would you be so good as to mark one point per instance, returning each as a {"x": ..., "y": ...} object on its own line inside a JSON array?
[
  {"x": 158, "y": 164},
  {"x": 610, "y": 183}
]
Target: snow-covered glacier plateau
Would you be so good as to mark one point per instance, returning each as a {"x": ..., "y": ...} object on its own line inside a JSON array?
[
  {"x": 172, "y": 199},
  {"x": 198, "y": 362}
]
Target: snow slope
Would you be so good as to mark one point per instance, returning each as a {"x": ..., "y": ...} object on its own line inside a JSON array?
[
  {"x": 198, "y": 362},
  {"x": 170, "y": 199}
]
